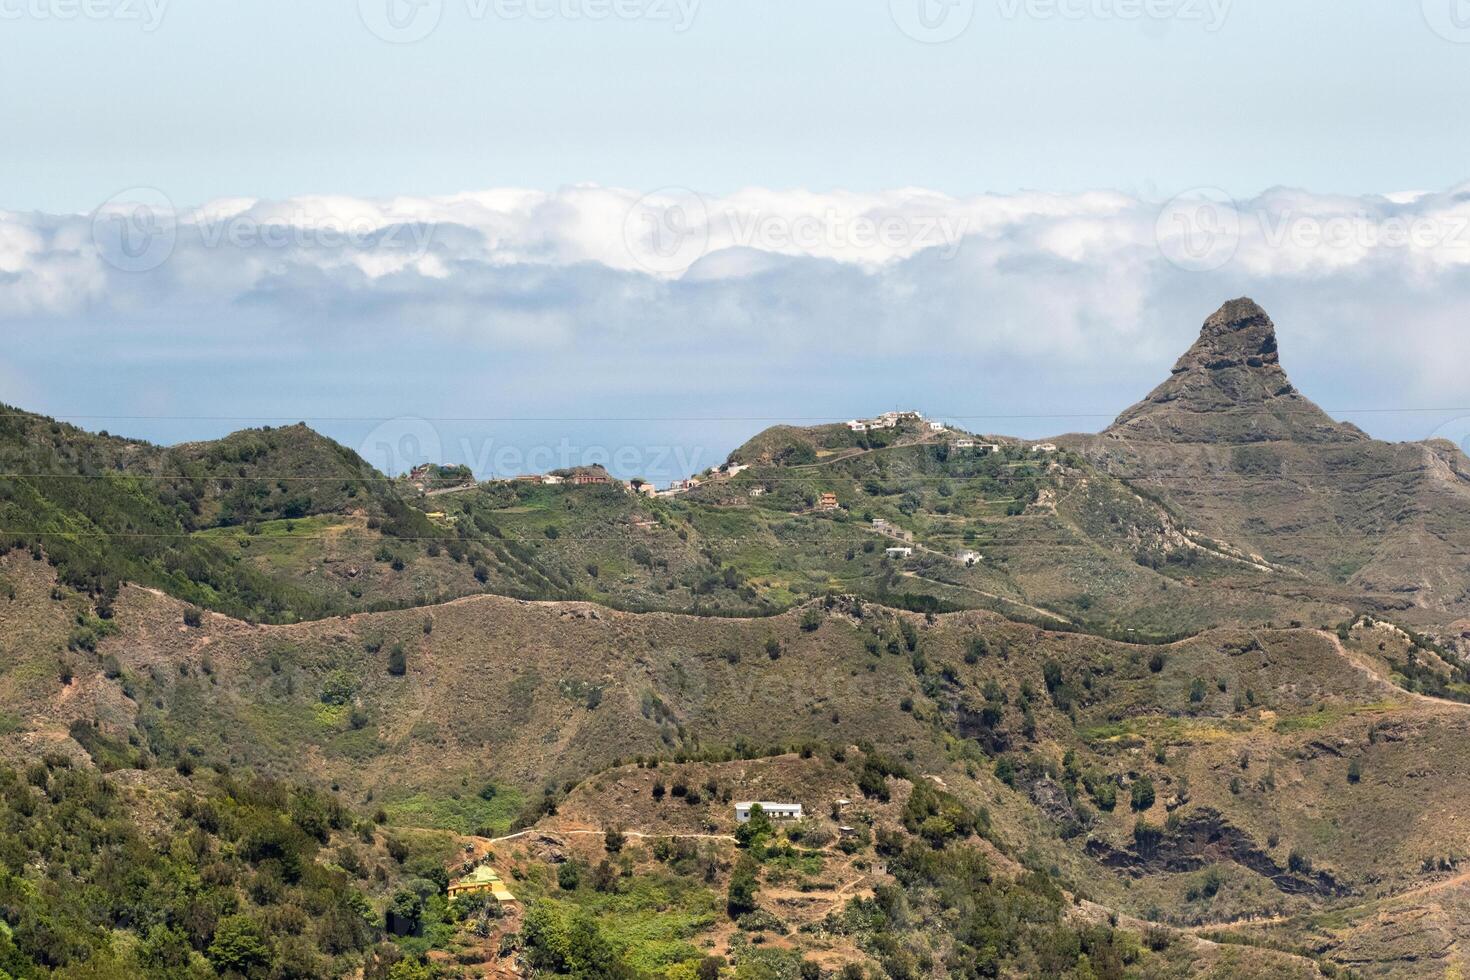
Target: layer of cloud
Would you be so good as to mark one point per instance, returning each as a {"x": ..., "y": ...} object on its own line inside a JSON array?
[{"x": 606, "y": 302}]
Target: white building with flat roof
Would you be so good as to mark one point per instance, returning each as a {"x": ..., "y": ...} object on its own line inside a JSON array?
[{"x": 778, "y": 812}]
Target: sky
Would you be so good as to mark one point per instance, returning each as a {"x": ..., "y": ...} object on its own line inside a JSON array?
[{"x": 522, "y": 233}]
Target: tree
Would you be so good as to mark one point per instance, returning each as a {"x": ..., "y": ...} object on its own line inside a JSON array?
[
  {"x": 744, "y": 885},
  {"x": 756, "y": 829},
  {"x": 239, "y": 946},
  {"x": 397, "y": 661},
  {"x": 1142, "y": 794},
  {"x": 405, "y": 913}
]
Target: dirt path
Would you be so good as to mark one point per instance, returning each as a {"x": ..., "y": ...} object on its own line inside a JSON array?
[
  {"x": 1365, "y": 667},
  {"x": 1044, "y": 613},
  {"x": 602, "y": 833}
]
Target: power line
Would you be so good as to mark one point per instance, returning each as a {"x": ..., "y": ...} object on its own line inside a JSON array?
[{"x": 818, "y": 419}]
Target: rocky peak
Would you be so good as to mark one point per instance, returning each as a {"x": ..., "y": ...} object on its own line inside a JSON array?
[
  {"x": 1239, "y": 334},
  {"x": 1229, "y": 387}
]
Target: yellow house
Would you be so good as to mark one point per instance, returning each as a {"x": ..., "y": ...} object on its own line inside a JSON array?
[{"x": 481, "y": 881}]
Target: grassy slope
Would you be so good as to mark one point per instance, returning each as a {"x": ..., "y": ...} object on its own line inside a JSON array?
[{"x": 501, "y": 692}]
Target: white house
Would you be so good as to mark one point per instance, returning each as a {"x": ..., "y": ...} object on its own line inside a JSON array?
[
  {"x": 857, "y": 426},
  {"x": 879, "y": 523},
  {"x": 969, "y": 557},
  {"x": 900, "y": 552},
  {"x": 964, "y": 444},
  {"x": 936, "y": 426},
  {"x": 778, "y": 812},
  {"x": 1045, "y": 447}
]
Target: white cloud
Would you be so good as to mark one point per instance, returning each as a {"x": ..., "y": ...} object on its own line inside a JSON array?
[{"x": 590, "y": 290}]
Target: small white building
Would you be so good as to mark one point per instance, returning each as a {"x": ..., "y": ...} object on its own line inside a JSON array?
[
  {"x": 776, "y": 812},
  {"x": 1044, "y": 447},
  {"x": 900, "y": 552},
  {"x": 964, "y": 444},
  {"x": 857, "y": 426},
  {"x": 936, "y": 426},
  {"x": 969, "y": 558},
  {"x": 879, "y": 523}
]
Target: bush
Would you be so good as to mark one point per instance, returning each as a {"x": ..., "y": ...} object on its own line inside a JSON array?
[
  {"x": 193, "y": 617},
  {"x": 740, "y": 899},
  {"x": 1142, "y": 794},
  {"x": 397, "y": 661}
]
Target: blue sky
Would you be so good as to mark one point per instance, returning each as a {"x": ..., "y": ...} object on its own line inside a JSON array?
[
  {"x": 460, "y": 263},
  {"x": 271, "y": 98}
]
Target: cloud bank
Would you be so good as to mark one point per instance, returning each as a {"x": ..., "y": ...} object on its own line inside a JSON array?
[{"x": 1026, "y": 312}]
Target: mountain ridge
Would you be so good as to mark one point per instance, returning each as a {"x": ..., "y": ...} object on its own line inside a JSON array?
[{"x": 1230, "y": 387}]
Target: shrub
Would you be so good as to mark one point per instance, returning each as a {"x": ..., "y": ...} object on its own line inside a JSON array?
[{"x": 1142, "y": 794}]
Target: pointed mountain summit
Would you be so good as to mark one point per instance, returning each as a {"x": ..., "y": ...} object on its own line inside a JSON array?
[{"x": 1230, "y": 388}]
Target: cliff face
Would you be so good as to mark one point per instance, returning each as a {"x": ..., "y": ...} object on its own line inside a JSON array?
[{"x": 1230, "y": 388}]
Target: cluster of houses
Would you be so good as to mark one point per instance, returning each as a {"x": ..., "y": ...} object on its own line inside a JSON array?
[
  {"x": 581, "y": 478},
  {"x": 966, "y": 445},
  {"x": 889, "y": 420}
]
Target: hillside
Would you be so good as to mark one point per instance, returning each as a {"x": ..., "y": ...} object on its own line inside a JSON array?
[
  {"x": 1230, "y": 445},
  {"x": 1184, "y": 698}
]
